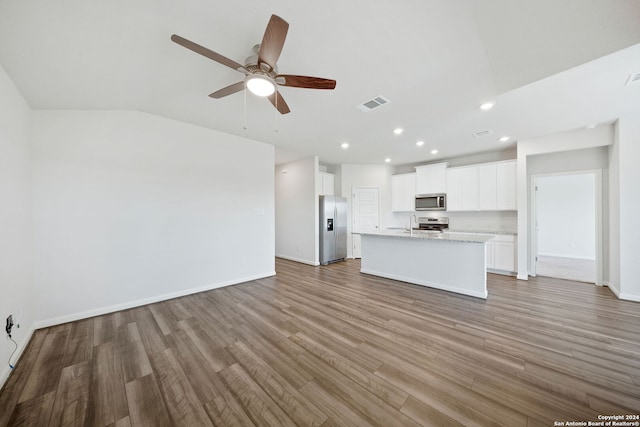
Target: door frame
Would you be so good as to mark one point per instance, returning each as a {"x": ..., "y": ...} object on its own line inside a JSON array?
[{"x": 533, "y": 214}]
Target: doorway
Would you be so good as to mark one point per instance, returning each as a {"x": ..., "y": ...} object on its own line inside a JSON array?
[
  {"x": 566, "y": 220},
  {"x": 365, "y": 215}
]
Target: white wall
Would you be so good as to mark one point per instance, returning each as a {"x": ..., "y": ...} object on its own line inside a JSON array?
[
  {"x": 16, "y": 294},
  {"x": 573, "y": 160},
  {"x": 625, "y": 205},
  {"x": 508, "y": 152},
  {"x": 130, "y": 208},
  {"x": 297, "y": 211},
  {"x": 561, "y": 152},
  {"x": 613, "y": 278},
  {"x": 566, "y": 216},
  {"x": 366, "y": 176}
]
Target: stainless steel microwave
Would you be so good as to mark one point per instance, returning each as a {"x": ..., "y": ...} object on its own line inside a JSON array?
[{"x": 431, "y": 202}]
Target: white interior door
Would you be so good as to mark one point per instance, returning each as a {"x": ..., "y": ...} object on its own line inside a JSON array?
[{"x": 365, "y": 215}]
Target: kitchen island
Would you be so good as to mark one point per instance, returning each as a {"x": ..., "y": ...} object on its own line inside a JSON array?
[{"x": 451, "y": 262}]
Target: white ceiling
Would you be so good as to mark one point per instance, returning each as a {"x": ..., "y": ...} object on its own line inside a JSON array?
[{"x": 549, "y": 66}]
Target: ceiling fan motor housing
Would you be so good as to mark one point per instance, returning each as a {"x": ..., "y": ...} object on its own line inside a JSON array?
[{"x": 253, "y": 65}]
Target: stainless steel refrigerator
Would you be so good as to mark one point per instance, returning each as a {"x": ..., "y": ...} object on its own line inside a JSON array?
[{"x": 333, "y": 229}]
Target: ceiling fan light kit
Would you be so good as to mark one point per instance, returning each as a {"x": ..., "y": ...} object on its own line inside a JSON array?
[
  {"x": 260, "y": 85},
  {"x": 261, "y": 71}
]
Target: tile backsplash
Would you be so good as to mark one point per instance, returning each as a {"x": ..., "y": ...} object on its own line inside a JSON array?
[
  {"x": 486, "y": 221},
  {"x": 470, "y": 221}
]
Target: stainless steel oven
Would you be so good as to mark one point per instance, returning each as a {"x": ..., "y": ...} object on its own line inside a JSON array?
[{"x": 431, "y": 202}]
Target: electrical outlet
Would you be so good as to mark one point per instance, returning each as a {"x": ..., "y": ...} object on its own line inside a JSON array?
[{"x": 9, "y": 325}]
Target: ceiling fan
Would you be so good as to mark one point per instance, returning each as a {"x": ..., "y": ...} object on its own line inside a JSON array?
[{"x": 261, "y": 69}]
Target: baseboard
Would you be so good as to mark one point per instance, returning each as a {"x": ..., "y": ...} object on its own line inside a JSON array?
[
  {"x": 6, "y": 372},
  {"x": 124, "y": 306},
  {"x": 567, "y": 256},
  {"x": 613, "y": 288},
  {"x": 621, "y": 295},
  {"x": 300, "y": 260},
  {"x": 502, "y": 272},
  {"x": 629, "y": 297},
  {"x": 522, "y": 277}
]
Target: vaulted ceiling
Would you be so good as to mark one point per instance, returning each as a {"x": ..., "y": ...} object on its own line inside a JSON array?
[{"x": 548, "y": 66}]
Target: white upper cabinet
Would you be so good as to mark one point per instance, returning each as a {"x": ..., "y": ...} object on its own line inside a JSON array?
[
  {"x": 431, "y": 178},
  {"x": 403, "y": 192},
  {"x": 326, "y": 184},
  {"x": 487, "y": 187},
  {"x": 506, "y": 186},
  {"x": 454, "y": 193},
  {"x": 469, "y": 188},
  {"x": 462, "y": 189},
  {"x": 484, "y": 187}
]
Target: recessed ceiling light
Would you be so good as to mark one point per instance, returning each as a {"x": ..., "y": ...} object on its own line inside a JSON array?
[
  {"x": 344, "y": 145},
  {"x": 504, "y": 138},
  {"x": 591, "y": 126},
  {"x": 420, "y": 143},
  {"x": 434, "y": 151},
  {"x": 398, "y": 131},
  {"x": 486, "y": 106},
  {"x": 387, "y": 160}
]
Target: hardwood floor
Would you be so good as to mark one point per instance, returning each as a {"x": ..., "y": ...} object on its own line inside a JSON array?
[
  {"x": 581, "y": 270},
  {"x": 328, "y": 346}
]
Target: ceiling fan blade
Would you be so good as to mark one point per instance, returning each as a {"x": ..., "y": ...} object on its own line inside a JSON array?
[
  {"x": 305, "y": 82},
  {"x": 273, "y": 41},
  {"x": 278, "y": 101},
  {"x": 231, "y": 89},
  {"x": 208, "y": 53}
]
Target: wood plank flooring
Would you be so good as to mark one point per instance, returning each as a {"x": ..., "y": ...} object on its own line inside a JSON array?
[
  {"x": 582, "y": 270},
  {"x": 329, "y": 346}
]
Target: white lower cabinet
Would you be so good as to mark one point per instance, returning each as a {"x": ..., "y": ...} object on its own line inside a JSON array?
[
  {"x": 501, "y": 253},
  {"x": 490, "y": 254}
]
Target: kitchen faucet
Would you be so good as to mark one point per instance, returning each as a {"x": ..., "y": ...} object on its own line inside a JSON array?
[{"x": 411, "y": 219}]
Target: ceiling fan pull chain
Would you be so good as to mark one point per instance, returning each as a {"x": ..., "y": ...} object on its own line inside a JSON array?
[
  {"x": 244, "y": 95},
  {"x": 275, "y": 115}
]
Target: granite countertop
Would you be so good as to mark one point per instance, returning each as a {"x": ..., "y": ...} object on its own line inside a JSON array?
[
  {"x": 505, "y": 232},
  {"x": 465, "y": 231},
  {"x": 432, "y": 235}
]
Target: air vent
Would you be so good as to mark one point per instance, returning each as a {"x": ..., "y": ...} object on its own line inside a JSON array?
[
  {"x": 373, "y": 103},
  {"x": 482, "y": 133},
  {"x": 633, "y": 78}
]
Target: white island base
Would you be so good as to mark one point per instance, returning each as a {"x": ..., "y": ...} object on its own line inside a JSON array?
[{"x": 446, "y": 262}]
